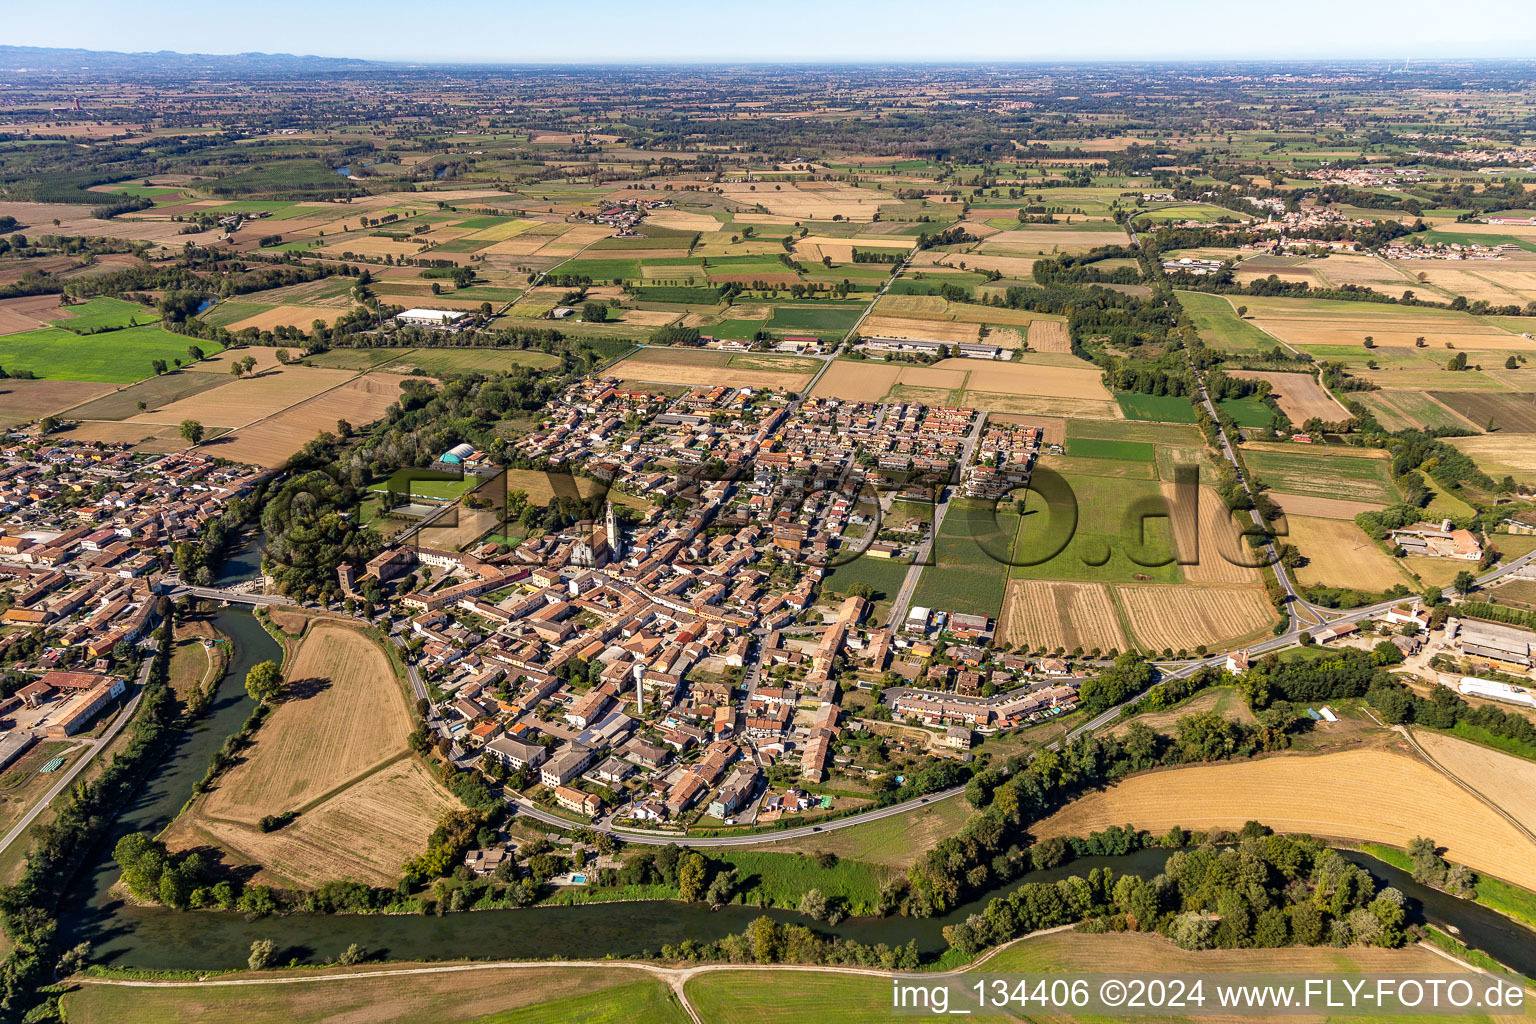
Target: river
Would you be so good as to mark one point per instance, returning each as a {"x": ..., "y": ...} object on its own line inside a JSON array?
[{"x": 155, "y": 938}]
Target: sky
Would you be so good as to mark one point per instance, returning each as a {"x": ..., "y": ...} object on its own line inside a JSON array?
[{"x": 517, "y": 31}]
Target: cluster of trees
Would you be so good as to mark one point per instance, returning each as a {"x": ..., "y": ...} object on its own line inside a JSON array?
[
  {"x": 767, "y": 941},
  {"x": 1265, "y": 892},
  {"x": 1444, "y": 709},
  {"x": 956, "y": 235},
  {"x": 1080, "y": 269}
]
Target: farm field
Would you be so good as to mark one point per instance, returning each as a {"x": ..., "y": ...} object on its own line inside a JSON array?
[
  {"x": 1323, "y": 508},
  {"x": 1400, "y": 410},
  {"x": 22, "y": 401},
  {"x": 103, "y": 314},
  {"x": 247, "y": 399},
  {"x": 1099, "y": 549},
  {"x": 274, "y": 440},
  {"x": 1352, "y": 474},
  {"x": 112, "y": 357},
  {"x": 1495, "y": 413},
  {"x": 1050, "y": 615},
  {"x": 1156, "y": 408},
  {"x": 1186, "y": 617},
  {"x": 1217, "y": 321},
  {"x": 1300, "y": 396},
  {"x": 1340, "y": 554},
  {"x": 1500, "y": 455},
  {"x": 1210, "y": 544},
  {"x": 334, "y": 751},
  {"x": 705, "y": 368},
  {"x": 968, "y": 574},
  {"x": 526, "y": 995},
  {"x": 1373, "y": 795}
]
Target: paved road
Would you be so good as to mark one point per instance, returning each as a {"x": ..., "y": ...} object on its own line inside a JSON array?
[
  {"x": 232, "y": 596},
  {"x": 68, "y": 775},
  {"x": 909, "y": 582}
]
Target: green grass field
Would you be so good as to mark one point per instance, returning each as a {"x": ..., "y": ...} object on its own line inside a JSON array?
[
  {"x": 1101, "y": 546},
  {"x": 600, "y": 270},
  {"x": 1248, "y": 412},
  {"x": 812, "y": 318},
  {"x": 781, "y": 879},
  {"x": 1327, "y": 474},
  {"x": 970, "y": 569},
  {"x": 104, "y": 314},
  {"x": 1219, "y": 326},
  {"x": 1157, "y": 408},
  {"x": 115, "y": 357},
  {"x": 1096, "y": 448}
]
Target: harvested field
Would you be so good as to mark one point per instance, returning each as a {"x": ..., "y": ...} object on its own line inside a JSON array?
[
  {"x": 1321, "y": 508},
  {"x": 1028, "y": 407},
  {"x": 1372, "y": 795},
  {"x": 872, "y": 381},
  {"x": 155, "y": 392},
  {"x": 1047, "y": 240},
  {"x": 149, "y": 437},
  {"x": 1340, "y": 554},
  {"x": 1351, "y": 473},
  {"x": 28, "y": 313},
  {"x": 1513, "y": 413},
  {"x": 343, "y": 714},
  {"x": 22, "y": 401},
  {"x": 1214, "y": 541},
  {"x": 933, "y": 330},
  {"x": 1183, "y": 617},
  {"x": 274, "y": 440},
  {"x": 649, "y": 366},
  {"x": 1397, "y": 410},
  {"x": 1392, "y": 333},
  {"x": 374, "y": 245},
  {"x": 1049, "y": 336},
  {"x": 1050, "y": 614},
  {"x": 1497, "y": 454},
  {"x": 285, "y": 316},
  {"x": 365, "y": 831},
  {"x": 1300, "y": 396},
  {"x": 681, "y": 220},
  {"x": 1008, "y": 266},
  {"x": 1031, "y": 378},
  {"x": 250, "y": 398}
]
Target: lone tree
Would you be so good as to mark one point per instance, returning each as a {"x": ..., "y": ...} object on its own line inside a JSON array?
[
  {"x": 594, "y": 312},
  {"x": 263, "y": 682},
  {"x": 192, "y": 431},
  {"x": 262, "y": 951}
]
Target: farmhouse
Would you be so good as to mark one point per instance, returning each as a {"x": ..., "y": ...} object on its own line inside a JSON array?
[
  {"x": 1440, "y": 541},
  {"x": 434, "y": 319}
]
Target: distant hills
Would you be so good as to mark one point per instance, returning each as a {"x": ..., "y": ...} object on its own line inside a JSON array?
[{"x": 50, "y": 60}]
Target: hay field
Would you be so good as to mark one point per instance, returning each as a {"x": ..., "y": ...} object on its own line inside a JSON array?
[
  {"x": 1498, "y": 454},
  {"x": 285, "y": 316},
  {"x": 1213, "y": 539},
  {"x": 274, "y": 440},
  {"x": 249, "y": 398},
  {"x": 811, "y": 200},
  {"x": 22, "y": 401},
  {"x": 1049, "y": 336},
  {"x": 1393, "y": 333},
  {"x": 933, "y": 330},
  {"x": 1507, "y": 780},
  {"x": 146, "y": 436},
  {"x": 1027, "y": 378},
  {"x": 1321, "y": 508},
  {"x": 1051, "y": 614},
  {"x": 365, "y": 832},
  {"x": 1046, "y": 240},
  {"x": 1499, "y": 283},
  {"x": 648, "y": 366},
  {"x": 681, "y": 220},
  {"x": 1184, "y": 616},
  {"x": 373, "y": 245},
  {"x": 345, "y": 715},
  {"x": 1340, "y": 554},
  {"x": 1008, "y": 266},
  {"x": 1372, "y": 795},
  {"x": 1300, "y": 396},
  {"x": 1030, "y": 407}
]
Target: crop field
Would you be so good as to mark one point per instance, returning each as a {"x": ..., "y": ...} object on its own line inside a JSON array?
[
  {"x": 274, "y": 440},
  {"x": 1102, "y": 546},
  {"x": 1049, "y": 336},
  {"x": 1157, "y": 408},
  {"x": 1335, "y": 473},
  {"x": 813, "y": 318},
  {"x": 1499, "y": 455},
  {"x": 1045, "y": 614},
  {"x": 1340, "y": 554},
  {"x": 1212, "y": 541},
  {"x": 1300, "y": 396},
  {"x": 22, "y": 401},
  {"x": 949, "y": 331},
  {"x": 248, "y": 399},
  {"x": 344, "y": 714},
  {"x": 871, "y": 381},
  {"x": 27, "y": 312},
  {"x": 1050, "y": 240},
  {"x": 1497, "y": 413},
  {"x": 705, "y": 368},
  {"x": 155, "y": 392},
  {"x": 527, "y": 995},
  {"x": 1373, "y": 795},
  {"x": 285, "y": 316},
  {"x": 102, "y": 314},
  {"x": 1399, "y": 410},
  {"x": 968, "y": 574},
  {"x": 1031, "y": 378},
  {"x": 1392, "y": 332},
  {"x": 113, "y": 357},
  {"x": 1322, "y": 508},
  {"x": 1185, "y": 617}
]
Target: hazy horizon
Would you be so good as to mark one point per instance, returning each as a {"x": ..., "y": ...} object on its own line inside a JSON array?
[{"x": 794, "y": 31}]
